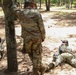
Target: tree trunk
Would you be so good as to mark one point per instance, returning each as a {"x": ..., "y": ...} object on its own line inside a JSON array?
[
  {"x": 71, "y": 3},
  {"x": 10, "y": 37},
  {"x": 58, "y": 2},
  {"x": 68, "y": 4},
  {"x": 40, "y": 4},
  {"x": 47, "y": 5}
]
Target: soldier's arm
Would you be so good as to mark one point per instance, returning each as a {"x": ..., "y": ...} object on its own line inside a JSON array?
[
  {"x": 16, "y": 10},
  {"x": 60, "y": 50},
  {"x": 41, "y": 27}
]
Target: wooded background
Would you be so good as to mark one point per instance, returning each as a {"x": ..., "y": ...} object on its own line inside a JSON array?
[{"x": 10, "y": 26}]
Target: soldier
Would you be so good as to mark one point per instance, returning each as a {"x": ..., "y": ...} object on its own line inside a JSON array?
[
  {"x": 33, "y": 33},
  {"x": 65, "y": 54},
  {"x": 66, "y": 57},
  {"x": 64, "y": 47}
]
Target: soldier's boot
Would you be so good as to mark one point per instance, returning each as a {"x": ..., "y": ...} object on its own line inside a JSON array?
[{"x": 49, "y": 67}]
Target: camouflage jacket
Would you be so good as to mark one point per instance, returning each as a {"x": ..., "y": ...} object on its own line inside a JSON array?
[
  {"x": 64, "y": 57},
  {"x": 65, "y": 49},
  {"x": 32, "y": 23}
]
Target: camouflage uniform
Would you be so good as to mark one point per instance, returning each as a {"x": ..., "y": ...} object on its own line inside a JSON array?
[
  {"x": 65, "y": 54},
  {"x": 66, "y": 57},
  {"x": 64, "y": 47},
  {"x": 1, "y": 48},
  {"x": 33, "y": 33}
]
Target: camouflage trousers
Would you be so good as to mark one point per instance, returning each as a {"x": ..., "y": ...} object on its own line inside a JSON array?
[
  {"x": 68, "y": 58},
  {"x": 34, "y": 49}
]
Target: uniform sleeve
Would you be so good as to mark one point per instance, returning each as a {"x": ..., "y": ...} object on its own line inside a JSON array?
[
  {"x": 60, "y": 50},
  {"x": 59, "y": 60},
  {"x": 41, "y": 27},
  {"x": 16, "y": 11}
]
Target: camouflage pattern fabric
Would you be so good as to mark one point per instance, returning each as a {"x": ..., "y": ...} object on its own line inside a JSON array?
[
  {"x": 55, "y": 56},
  {"x": 1, "y": 49},
  {"x": 34, "y": 49},
  {"x": 32, "y": 23},
  {"x": 73, "y": 62},
  {"x": 63, "y": 49},
  {"x": 33, "y": 33},
  {"x": 65, "y": 54},
  {"x": 66, "y": 57}
]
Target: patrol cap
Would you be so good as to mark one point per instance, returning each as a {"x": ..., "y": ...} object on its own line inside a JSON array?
[
  {"x": 64, "y": 41},
  {"x": 30, "y": 3}
]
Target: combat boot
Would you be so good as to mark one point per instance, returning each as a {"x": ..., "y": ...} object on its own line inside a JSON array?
[{"x": 49, "y": 67}]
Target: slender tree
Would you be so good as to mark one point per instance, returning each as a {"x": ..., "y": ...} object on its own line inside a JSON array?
[
  {"x": 10, "y": 36},
  {"x": 40, "y": 4},
  {"x": 71, "y": 3},
  {"x": 47, "y": 2}
]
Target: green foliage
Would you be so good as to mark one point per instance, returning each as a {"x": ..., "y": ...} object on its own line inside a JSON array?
[
  {"x": 20, "y": 1},
  {"x": 38, "y": 1},
  {"x": 74, "y": 3},
  {"x": 54, "y": 1}
]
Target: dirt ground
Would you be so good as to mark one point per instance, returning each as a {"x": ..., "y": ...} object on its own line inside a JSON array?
[{"x": 59, "y": 24}]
